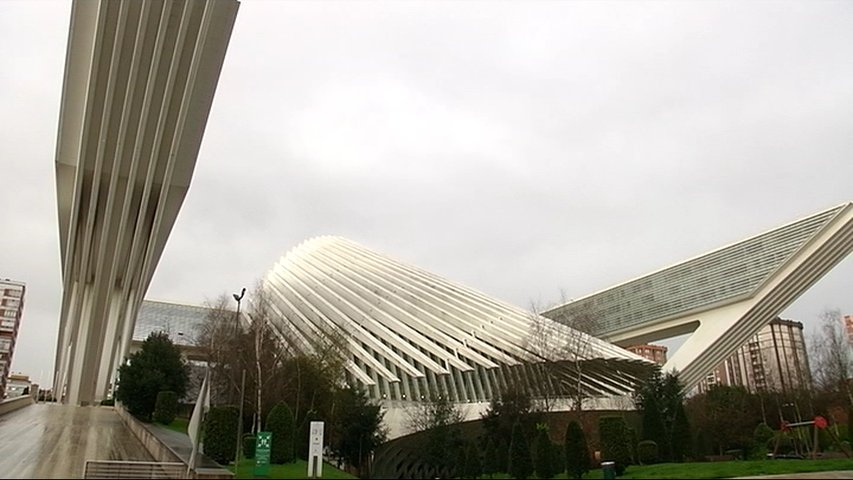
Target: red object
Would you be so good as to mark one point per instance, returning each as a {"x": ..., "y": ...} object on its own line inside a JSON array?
[
  {"x": 784, "y": 426},
  {"x": 820, "y": 422}
]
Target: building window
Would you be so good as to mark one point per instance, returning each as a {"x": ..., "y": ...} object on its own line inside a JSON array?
[{"x": 12, "y": 292}]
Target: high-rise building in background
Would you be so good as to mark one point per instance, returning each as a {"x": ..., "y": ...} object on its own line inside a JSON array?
[
  {"x": 848, "y": 328},
  {"x": 655, "y": 353},
  {"x": 11, "y": 306},
  {"x": 775, "y": 359}
]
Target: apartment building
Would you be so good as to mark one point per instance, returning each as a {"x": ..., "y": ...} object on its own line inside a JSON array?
[{"x": 11, "y": 307}]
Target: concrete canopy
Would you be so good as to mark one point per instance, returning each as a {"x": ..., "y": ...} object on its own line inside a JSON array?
[{"x": 139, "y": 83}]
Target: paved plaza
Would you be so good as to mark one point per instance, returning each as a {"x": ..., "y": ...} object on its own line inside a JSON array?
[{"x": 54, "y": 441}]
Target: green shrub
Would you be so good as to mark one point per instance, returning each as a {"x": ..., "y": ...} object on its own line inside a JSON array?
[
  {"x": 780, "y": 443},
  {"x": 280, "y": 423},
  {"x": 166, "y": 407},
  {"x": 107, "y": 402},
  {"x": 473, "y": 467},
  {"x": 491, "y": 464},
  {"x": 558, "y": 458},
  {"x": 702, "y": 444},
  {"x": 544, "y": 456},
  {"x": 520, "y": 464},
  {"x": 156, "y": 367},
  {"x": 576, "y": 451},
  {"x": 762, "y": 435},
  {"x": 682, "y": 438},
  {"x": 830, "y": 437},
  {"x": 647, "y": 452},
  {"x": 503, "y": 456},
  {"x": 220, "y": 433},
  {"x": 249, "y": 442},
  {"x": 632, "y": 445},
  {"x": 850, "y": 425},
  {"x": 461, "y": 458},
  {"x": 614, "y": 442}
]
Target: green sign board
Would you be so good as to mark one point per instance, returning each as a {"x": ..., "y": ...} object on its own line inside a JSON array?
[{"x": 262, "y": 454}]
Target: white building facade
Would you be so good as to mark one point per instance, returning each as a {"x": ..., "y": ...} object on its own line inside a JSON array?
[
  {"x": 723, "y": 297},
  {"x": 138, "y": 87},
  {"x": 411, "y": 334}
]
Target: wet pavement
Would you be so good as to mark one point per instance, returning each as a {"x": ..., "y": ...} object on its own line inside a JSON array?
[
  {"x": 46, "y": 440},
  {"x": 835, "y": 474}
]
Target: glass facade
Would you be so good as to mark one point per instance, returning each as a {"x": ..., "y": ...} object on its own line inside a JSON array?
[{"x": 724, "y": 274}]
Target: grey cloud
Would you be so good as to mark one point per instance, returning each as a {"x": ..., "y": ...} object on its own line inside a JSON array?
[{"x": 520, "y": 148}]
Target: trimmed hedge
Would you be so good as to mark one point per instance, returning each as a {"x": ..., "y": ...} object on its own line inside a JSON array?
[
  {"x": 473, "y": 467},
  {"x": 491, "y": 464},
  {"x": 220, "y": 433},
  {"x": 280, "y": 423},
  {"x": 647, "y": 452},
  {"x": 520, "y": 463},
  {"x": 544, "y": 463},
  {"x": 614, "y": 442},
  {"x": 249, "y": 442},
  {"x": 166, "y": 407},
  {"x": 576, "y": 451}
]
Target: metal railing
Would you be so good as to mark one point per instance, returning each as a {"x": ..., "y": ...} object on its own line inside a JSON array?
[{"x": 110, "y": 469}]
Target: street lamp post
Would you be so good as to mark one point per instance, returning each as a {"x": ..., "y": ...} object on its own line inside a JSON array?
[{"x": 239, "y": 298}]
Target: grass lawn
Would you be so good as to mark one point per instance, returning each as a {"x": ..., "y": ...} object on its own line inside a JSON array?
[
  {"x": 297, "y": 469},
  {"x": 178, "y": 425},
  {"x": 723, "y": 469}
]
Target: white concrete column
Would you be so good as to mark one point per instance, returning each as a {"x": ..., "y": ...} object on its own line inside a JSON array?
[
  {"x": 76, "y": 373},
  {"x": 113, "y": 327},
  {"x": 63, "y": 348}
]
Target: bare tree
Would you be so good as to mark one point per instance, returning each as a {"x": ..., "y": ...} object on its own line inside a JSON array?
[
  {"x": 540, "y": 342},
  {"x": 439, "y": 418},
  {"x": 436, "y": 410},
  {"x": 268, "y": 350},
  {"x": 832, "y": 357},
  {"x": 562, "y": 353},
  {"x": 216, "y": 337}
]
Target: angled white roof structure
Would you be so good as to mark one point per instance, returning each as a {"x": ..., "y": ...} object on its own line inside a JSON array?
[
  {"x": 724, "y": 296},
  {"x": 139, "y": 82},
  {"x": 411, "y": 333}
]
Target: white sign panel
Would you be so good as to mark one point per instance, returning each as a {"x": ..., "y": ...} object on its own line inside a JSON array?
[{"x": 315, "y": 450}]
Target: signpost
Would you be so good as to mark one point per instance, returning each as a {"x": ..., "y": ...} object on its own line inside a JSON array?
[
  {"x": 315, "y": 450},
  {"x": 262, "y": 454}
]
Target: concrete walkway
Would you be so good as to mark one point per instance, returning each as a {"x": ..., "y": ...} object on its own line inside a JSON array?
[
  {"x": 835, "y": 474},
  {"x": 54, "y": 441}
]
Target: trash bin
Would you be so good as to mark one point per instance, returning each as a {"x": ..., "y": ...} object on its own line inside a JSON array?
[{"x": 608, "y": 469}]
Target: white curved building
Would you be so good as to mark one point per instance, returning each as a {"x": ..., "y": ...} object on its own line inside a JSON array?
[{"x": 411, "y": 333}]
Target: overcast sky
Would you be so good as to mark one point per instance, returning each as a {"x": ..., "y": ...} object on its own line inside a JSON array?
[{"x": 520, "y": 148}]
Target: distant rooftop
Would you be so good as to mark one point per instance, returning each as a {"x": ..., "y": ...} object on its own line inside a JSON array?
[{"x": 181, "y": 322}]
